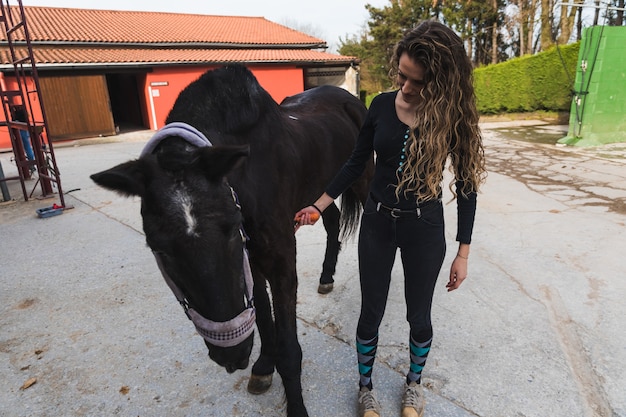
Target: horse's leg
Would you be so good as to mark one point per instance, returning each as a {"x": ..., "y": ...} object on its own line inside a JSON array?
[
  {"x": 333, "y": 246},
  {"x": 280, "y": 269},
  {"x": 263, "y": 369},
  {"x": 289, "y": 351}
]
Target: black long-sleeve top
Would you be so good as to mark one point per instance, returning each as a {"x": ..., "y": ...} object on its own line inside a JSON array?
[{"x": 384, "y": 133}]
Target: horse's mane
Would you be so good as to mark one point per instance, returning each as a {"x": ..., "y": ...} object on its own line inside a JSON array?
[{"x": 228, "y": 99}]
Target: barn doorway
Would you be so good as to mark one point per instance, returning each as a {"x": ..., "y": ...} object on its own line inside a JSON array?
[
  {"x": 125, "y": 102},
  {"x": 77, "y": 106}
]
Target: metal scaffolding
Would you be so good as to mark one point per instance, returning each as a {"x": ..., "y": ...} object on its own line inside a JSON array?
[{"x": 23, "y": 108}]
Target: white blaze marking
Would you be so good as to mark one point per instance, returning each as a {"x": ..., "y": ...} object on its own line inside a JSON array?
[{"x": 186, "y": 204}]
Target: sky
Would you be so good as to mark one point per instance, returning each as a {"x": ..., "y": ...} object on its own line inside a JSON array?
[{"x": 329, "y": 20}]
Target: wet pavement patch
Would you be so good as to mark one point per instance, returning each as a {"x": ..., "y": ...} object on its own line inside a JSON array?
[{"x": 548, "y": 135}]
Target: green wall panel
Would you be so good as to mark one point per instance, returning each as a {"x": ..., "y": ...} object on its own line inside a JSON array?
[{"x": 598, "y": 110}]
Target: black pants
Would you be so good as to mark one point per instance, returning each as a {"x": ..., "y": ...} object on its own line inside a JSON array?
[{"x": 422, "y": 245}]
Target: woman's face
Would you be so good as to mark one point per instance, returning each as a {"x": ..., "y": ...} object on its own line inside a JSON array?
[{"x": 410, "y": 78}]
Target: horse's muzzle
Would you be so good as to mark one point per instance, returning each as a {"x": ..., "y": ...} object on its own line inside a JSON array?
[{"x": 232, "y": 358}]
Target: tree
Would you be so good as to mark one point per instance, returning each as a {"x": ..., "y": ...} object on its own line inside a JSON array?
[
  {"x": 615, "y": 13},
  {"x": 373, "y": 77},
  {"x": 386, "y": 26},
  {"x": 478, "y": 22},
  {"x": 620, "y": 13},
  {"x": 596, "y": 14},
  {"x": 493, "y": 30},
  {"x": 521, "y": 30},
  {"x": 546, "y": 35},
  {"x": 566, "y": 23}
]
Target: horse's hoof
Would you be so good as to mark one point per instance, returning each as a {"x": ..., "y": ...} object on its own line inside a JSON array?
[
  {"x": 325, "y": 288},
  {"x": 259, "y": 384}
]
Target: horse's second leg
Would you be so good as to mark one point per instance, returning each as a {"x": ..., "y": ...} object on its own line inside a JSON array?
[
  {"x": 289, "y": 359},
  {"x": 263, "y": 369},
  {"x": 331, "y": 223}
]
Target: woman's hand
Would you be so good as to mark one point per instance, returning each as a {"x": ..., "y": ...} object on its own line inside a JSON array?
[
  {"x": 458, "y": 273},
  {"x": 311, "y": 214},
  {"x": 307, "y": 216}
]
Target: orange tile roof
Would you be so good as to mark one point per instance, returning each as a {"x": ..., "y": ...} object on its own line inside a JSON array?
[
  {"x": 64, "y": 36},
  {"x": 50, "y": 24},
  {"x": 46, "y": 57}
]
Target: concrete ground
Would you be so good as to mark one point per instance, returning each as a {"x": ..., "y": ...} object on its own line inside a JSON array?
[{"x": 536, "y": 329}]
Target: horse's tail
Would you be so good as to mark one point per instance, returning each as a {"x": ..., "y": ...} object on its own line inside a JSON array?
[
  {"x": 353, "y": 199},
  {"x": 350, "y": 213}
]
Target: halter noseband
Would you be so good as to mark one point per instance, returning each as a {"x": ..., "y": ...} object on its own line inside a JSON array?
[
  {"x": 226, "y": 333},
  {"x": 219, "y": 333}
]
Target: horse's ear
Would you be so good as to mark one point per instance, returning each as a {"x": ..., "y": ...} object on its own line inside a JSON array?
[
  {"x": 127, "y": 178},
  {"x": 217, "y": 161}
]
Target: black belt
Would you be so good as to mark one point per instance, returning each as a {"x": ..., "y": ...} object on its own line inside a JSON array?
[{"x": 397, "y": 213}]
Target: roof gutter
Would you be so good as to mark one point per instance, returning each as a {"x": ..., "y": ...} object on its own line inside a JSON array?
[
  {"x": 170, "y": 45},
  {"x": 147, "y": 65}
]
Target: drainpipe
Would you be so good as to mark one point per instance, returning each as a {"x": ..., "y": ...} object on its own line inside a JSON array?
[{"x": 3, "y": 185}]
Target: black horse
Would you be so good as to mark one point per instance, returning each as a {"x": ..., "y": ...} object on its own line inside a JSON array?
[{"x": 207, "y": 209}]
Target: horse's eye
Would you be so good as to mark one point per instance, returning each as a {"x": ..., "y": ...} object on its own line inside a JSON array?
[{"x": 159, "y": 253}]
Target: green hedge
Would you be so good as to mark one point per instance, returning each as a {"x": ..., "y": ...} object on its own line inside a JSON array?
[
  {"x": 529, "y": 83},
  {"x": 525, "y": 84}
]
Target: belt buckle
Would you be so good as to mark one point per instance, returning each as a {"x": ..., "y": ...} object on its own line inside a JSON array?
[{"x": 393, "y": 213}]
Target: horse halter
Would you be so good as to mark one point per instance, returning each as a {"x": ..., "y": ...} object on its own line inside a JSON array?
[
  {"x": 225, "y": 333},
  {"x": 219, "y": 333}
]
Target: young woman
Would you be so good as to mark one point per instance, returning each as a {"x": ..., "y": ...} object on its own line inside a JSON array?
[{"x": 413, "y": 131}]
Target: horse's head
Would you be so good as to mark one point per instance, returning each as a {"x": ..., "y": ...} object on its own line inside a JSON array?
[{"x": 192, "y": 224}]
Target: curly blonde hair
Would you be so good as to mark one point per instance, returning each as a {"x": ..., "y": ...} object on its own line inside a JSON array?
[{"x": 446, "y": 120}]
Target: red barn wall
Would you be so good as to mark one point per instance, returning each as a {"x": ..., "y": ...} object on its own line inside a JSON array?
[{"x": 162, "y": 86}]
